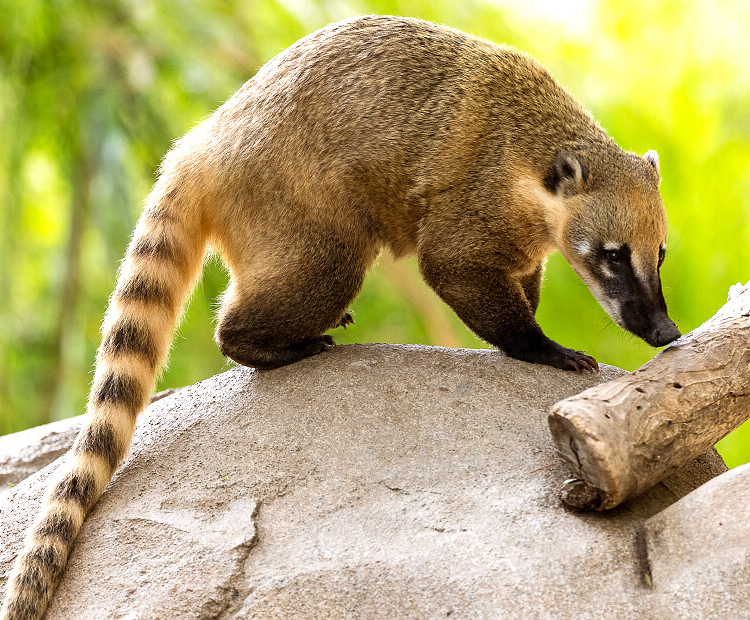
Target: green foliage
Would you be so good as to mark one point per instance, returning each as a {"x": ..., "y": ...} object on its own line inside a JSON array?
[{"x": 93, "y": 94}]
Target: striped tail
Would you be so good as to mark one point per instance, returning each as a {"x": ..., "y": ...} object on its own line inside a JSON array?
[{"x": 160, "y": 268}]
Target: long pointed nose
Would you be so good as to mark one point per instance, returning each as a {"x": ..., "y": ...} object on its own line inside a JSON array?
[
  {"x": 645, "y": 313},
  {"x": 664, "y": 332}
]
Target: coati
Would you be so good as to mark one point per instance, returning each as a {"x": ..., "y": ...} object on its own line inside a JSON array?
[{"x": 372, "y": 133}]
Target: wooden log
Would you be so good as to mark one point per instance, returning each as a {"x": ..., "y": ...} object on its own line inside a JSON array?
[{"x": 624, "y": 436}]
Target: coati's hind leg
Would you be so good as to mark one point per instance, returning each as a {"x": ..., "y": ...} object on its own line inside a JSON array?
[
  {"x": 347, "y": 319},
  {"x": 280, "y": 304}
]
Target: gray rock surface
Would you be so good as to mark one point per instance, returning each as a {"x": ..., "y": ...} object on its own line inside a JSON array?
[
  {"x": 379, "y": 481},
  {"x": 699, "y": 548},
  {"x": 26, "y": 452}
]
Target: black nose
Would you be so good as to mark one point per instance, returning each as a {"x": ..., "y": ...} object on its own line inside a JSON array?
[{"x": 663, "y": 334}]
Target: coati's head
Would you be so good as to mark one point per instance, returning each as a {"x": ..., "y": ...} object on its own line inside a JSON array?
[{"x": 613, "y": 234}]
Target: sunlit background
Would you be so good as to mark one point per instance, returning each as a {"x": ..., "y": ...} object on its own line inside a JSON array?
[{"x": 92, "y": 94}]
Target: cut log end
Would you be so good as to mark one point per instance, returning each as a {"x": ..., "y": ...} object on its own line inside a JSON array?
[{"x": 579, "y": 495}]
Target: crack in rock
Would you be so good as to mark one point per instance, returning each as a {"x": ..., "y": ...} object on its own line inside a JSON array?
[
  {"x": 227, "y": 600},
  {"x": 643, "y": 561}
]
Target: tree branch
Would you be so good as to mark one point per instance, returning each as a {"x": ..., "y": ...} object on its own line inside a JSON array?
[{"x": 624, "y": 436}]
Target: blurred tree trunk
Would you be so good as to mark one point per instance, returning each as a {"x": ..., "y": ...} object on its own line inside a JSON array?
[
  {"x": 80, "y": 211},
  {"x": 427, "y": 303},
  {"x": 12, "y": 199}
]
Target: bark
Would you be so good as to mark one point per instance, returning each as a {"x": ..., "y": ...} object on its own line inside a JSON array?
[{"x": 624, "y": 436}]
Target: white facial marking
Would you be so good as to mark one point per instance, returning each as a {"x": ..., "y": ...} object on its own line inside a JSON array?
[
  {"x": 608, "y": 271},
  {"x": 611, "y": 246},
  {"x": 639, "y": 268},
  {"x": 583, "y": 248},
  {"x": 609, "y": 305}
]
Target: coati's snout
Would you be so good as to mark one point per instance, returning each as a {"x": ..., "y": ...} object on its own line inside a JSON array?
[
  {"x": 631, "y": 295},
  {"x": 645, "y": 315},
  {"x": 664, "y": 333}
]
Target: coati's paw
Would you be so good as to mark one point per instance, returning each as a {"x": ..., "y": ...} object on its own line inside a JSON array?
[
  {"x": 553, "y": 354},
  {"x": 347, "y": 319},
  {"x": 578, "y": 361},
  {"x": 313, "y": 346}
]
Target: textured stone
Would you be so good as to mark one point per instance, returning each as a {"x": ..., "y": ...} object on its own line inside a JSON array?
[
  {"x": 371, "y": 481},
  {"x": 26, "y": 452},
  {"x": 699, "y": 549}
]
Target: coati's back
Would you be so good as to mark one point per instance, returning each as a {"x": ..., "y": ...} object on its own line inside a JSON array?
[
  {"x": 378, "y": 114},
  {"x": 377, "y": 131}
]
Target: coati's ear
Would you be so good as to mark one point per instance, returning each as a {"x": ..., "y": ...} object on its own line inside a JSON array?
[
  {"x": 652, "y": 157},
  {"x": 569, "y": 174}
]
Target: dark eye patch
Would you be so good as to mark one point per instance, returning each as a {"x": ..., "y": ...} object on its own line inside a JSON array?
[
  {"x": 615, "y": 256},
  {"x": 662, "y": 254}
]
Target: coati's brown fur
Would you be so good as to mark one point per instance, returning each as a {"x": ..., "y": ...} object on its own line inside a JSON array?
[{"x": 377, "y": 132}]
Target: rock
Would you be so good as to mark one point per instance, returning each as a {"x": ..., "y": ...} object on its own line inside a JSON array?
[
  {"x": 371, "y": 481},
  {"x": 699, "y": 549},
  {"x": 26, "y": 452}
]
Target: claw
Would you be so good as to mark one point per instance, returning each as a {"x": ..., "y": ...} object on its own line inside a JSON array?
[
  {"x": 347, "y": 319},
  {"x": 591, "y": 365},
  {"x": 558, "y": 356},
  {"x": 583, "y": 364}
]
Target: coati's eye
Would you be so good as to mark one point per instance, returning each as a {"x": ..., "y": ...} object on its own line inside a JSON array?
[
  {"x": 662, "y": 253},
  {"x": 613, "y": 256}
]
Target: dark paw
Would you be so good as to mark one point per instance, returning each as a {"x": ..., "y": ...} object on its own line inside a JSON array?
[
  {"x": 313, "y": 346},
  {"x": 553, "y": 354},
  {"x": 578, "y": 361},
  {"x": 347, "y": 319}
]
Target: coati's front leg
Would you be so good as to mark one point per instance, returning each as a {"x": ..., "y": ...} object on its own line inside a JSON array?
[
  {"x": 494, "y": 305},
  {"x": 532, "y": 287}
]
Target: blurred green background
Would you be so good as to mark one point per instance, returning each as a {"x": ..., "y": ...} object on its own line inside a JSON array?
[{"x": 92, "y": 94}]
